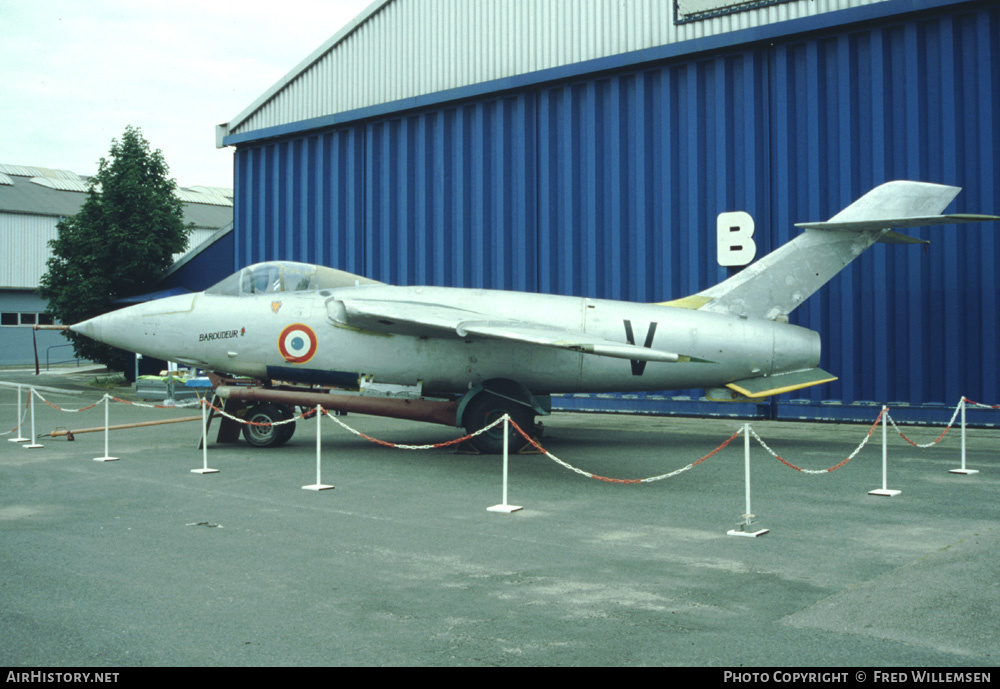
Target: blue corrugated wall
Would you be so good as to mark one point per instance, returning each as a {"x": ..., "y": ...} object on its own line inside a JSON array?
[{"x": 608, "y": 186}]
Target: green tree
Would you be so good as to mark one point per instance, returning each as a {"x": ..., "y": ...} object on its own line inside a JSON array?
[{"x": 119, "y": 244}]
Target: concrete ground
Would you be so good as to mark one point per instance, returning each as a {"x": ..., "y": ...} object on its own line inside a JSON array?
[{"x": 141, "y": 562}]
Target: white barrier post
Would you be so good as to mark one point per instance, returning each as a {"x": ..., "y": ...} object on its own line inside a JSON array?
[
  {"x": 884, "y": 490},
  {"x": 107, "y": 432},
  {"x": 20, "y": 417},
  {"x": 204, "y": 441},
  {"x": 319, "y": 485},
  {"x": 31, "y": 403},
  {"x": 963, "y": 470},
  {"x": 746, "y": 526},
  {"x": 504, "y": 507}
]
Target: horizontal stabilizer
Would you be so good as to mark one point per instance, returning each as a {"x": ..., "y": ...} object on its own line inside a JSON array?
[
  {"x": 756, "y": 388},
  {"x": 896, "y": 223}
]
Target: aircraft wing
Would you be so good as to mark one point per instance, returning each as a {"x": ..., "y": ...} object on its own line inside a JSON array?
[{"x": 438, "y": 320}]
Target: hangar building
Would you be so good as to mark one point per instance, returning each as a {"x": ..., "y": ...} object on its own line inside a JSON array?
[
  {"x": 587, "y": 148},
  {"x": 32, "y": 202}
]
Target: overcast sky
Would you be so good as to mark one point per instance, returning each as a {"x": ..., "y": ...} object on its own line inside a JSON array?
[{"x": 75, "y": 73}]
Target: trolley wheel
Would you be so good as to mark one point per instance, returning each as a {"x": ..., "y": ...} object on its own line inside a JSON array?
[
  {"x": 487, "y": 408},
  {"x": 268, "y": 435}
]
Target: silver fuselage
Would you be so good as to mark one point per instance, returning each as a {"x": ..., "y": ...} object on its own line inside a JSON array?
[{"x": 249, "y": 335}]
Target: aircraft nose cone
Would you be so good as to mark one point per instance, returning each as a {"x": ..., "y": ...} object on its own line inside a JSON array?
[
  {"x": 139, "y": 328},
  {"x": 93, "y": 328},
  {"x": 115, "y": 328}
]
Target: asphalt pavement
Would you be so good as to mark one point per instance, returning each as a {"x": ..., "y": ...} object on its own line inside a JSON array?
[{"x": 141, "y": 562}]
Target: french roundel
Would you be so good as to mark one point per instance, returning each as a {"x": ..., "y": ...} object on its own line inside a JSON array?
[{"x": 297, "y": 343}]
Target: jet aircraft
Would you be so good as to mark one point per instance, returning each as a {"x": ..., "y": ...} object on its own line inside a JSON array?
[{"x": 495, "y": 352}]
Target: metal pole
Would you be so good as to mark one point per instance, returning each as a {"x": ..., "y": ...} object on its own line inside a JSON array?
[
  {"x": 20, "y": 419},
  {"x": 204, "y": 440},
  {"x": 963, "y": 470},
  {"x": 505, "y": 430},
  {"x": 318, "y": 443},
  {"x": 31, "y": 403},
  {"x": 107, "y": 432},
  {"x": 107, "y": 404},
  {"x": 884, "y": 490},
  {"x": 746, "y": 526},
  {"x": 746, "y": 467},
  {"x": 204, "y": 433},
  {"x": 20, "y": 416},
  {"x": 963, "y": 433},
  {"x": 319, "y": 485},
  {"x": 885, "y": 451},
  {"x": 503, "y": 506},
  {"x": 139, "y": 424}
]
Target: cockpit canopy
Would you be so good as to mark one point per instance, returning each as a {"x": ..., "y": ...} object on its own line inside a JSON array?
[{"x": 285, "y": 276}]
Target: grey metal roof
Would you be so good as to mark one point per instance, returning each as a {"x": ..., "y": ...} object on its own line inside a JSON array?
[
  {"x": 60, "y": 196},
  {"x": 32, "y": 171},
  {"x": 22, "y": 196},
  {"x": 400, "y": 49}
]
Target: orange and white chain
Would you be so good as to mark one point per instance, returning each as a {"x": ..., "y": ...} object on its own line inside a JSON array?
[
  {"x": 532, "y": 441},
  {"x": 37, "y": 394},
  {"x": 936, "y": 440},
  {"x": 223, "y": 412},
  {"x": 180, "y": 405},
  {"x": 854, "y": 454},
  {"x": 398, "y": 446},
  {"x": 312, "y": 411},
  {"x": 651, "y": 479},
  {"x": 980, "y": 405}
]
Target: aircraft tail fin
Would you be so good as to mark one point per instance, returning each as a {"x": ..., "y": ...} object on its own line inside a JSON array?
[{"x": 778, "y": 283}]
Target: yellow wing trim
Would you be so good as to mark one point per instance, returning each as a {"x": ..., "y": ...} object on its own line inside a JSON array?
[
  {"x": 778, "y": 390},
  {"x": 693, "y": 302}
]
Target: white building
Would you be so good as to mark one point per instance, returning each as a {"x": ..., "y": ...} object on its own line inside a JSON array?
[{"x": 32, "y": 202}]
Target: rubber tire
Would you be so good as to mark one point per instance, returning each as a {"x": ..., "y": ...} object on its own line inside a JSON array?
[
  {"x": 287, "y": 429},
  {"x": 267, "y": 436},
  {"x": 486, "y": 408}
]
